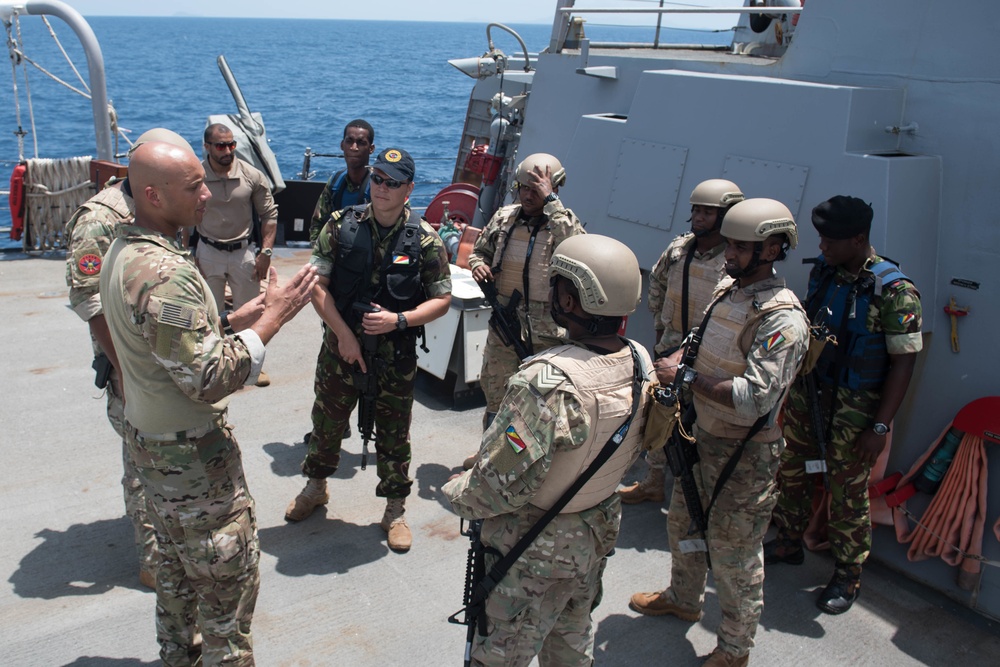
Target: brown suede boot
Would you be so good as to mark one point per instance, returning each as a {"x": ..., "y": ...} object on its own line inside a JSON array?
[
  {"x": 312, "y": 496},
  {"x": 650, "y": 488},
  {"x": 719, "y": 658},
  {"x": 661, "y": 604},
  {"x": 394, "y": 523}
]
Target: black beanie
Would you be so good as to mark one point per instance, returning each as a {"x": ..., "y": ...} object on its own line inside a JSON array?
[{"x": 842, "y": 217}]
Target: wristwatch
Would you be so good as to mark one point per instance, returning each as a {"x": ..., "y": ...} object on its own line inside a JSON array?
[
  {"x": 551, "y": 197},
  {"x": 267, "y": 252},
  {"x": 880, "y": 428},
  {"x": 227, "y": 328},
  {"x": 401, "y": 322}
]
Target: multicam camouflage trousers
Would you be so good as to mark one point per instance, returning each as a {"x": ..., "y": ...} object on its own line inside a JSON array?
[
  {"x": 736, "y": 527},
  {"x": 135, "y": 497},
  {"x": 207, "y": 535},
  {"x": 336, "y": 397},
  {"x": 530, "y": 615},
  {"x": 849, "y": 528}
]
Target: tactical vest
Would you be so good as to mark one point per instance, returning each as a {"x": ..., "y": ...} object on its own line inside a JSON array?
[
  {"x": 860, "y": 360},
  {"x": 341, "y": 198},
  {"x": 111, "y": 198},
  {"x": 399, "y": 287},
  {"x": 720, "y": 355},
  {"x": 604, "y": 385},
  {"x": 517, "y": 241},
  {"x": 703, "y": 276}
]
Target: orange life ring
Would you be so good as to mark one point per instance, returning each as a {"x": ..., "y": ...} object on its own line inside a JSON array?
[{"x": 16, "y": 201}]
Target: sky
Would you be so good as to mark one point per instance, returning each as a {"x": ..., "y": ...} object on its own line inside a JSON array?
[{"x": 476, "y": 11}]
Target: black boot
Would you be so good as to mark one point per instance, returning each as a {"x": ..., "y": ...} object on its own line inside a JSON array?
[
  {"x": 842, "y": 591},
  {"x": 784, "y": 550}
]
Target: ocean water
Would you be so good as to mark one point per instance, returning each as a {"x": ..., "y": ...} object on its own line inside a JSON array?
[{"x": 307, "y": 78}]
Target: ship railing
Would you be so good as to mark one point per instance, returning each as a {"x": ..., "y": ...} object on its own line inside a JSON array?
[{"x": 567, "y": 27}]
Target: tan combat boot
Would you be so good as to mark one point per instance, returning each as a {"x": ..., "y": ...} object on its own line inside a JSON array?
[
  {"x": 719, "y": 658},
  {"x": 661, "y": 604},
  {"x": 394, "y": 523},
  {"x": 263, "y": 379},
  {"x": 308, "y": 500},
  {"x": 650, "y": 488}
]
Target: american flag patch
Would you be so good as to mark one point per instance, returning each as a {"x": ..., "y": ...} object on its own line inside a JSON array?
[
  {"x": 907, "y": 318},
  {"x": 176, "y": 315},
  {"x": 514, "y": 440},
  {"x": 773, "y": 341},
  {"x": 401, "y": 259}
]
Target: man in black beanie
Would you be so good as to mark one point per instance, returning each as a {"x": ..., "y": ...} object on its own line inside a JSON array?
[{"x": 873, "y": 310}]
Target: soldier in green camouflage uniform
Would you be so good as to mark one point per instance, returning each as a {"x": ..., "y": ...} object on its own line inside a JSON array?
[
  {"x": 750, "y": 350},
  {"x": 546, "y": 430},
  {"x": 179, "y": 370},
  {"x": 88, "y": 235},
  {"x": 680, "y": 288},
  {"x": 861, "y": 383},
  {"x": 522, "y": 234},
  {"x": 359, "y": 256}
]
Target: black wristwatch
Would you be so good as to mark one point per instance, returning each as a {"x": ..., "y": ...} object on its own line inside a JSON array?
[
  {"x": 401, "y": 322},
  {"x": 551, "y": 197},
  {"x": 880, "y": 428},
  {"x": 227, "y": 328}
]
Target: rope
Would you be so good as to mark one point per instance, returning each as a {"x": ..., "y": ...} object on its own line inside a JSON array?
[
  {"x": 52, "y": 32},
  {"x": 27, "y": 91},
  {"x": 55, "y": 189},
  {"x": 14, "y": 62}
]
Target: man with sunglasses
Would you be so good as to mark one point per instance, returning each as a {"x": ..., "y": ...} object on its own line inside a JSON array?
[
  {"x": 225, "y": 254},
  {"x": 349, "y": 186},
  {"x": 514, "y": 251},
  {"x": 383, "y": 258}
]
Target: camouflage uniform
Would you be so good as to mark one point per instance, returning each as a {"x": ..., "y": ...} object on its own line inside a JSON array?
[
  {"x": 88, "y": 235},
  {"x": 897, "y": 314},
  {"x": 396, "y": 369},
  {"x": 499, "y": 361},
  {"x": 666, "y": 283},
  {"x": 179, "y": 372},
  {"x": 738, "y": 520},
  {"x": 327, "y": 203},
  {"x": 542, "y": 606}
]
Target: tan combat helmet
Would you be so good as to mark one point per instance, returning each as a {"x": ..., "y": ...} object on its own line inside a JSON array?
[
  {"x": 540, "y": 160},
  {"x": 754, "y": 220},
  {"x": 160, "y": 134},
  {"x": 716, "y": 192},
  {"x": 603, "y": 270}
]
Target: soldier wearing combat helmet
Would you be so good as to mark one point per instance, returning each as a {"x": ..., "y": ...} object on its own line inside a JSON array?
[
  {"x": 857, "y": 387},
  {"x": 514, "y": 251},
  {"x": 753, "y": 337},
  {"x": 546, "y": 431},
  {"x": 680, "y": 288},
  {"x": 88, "y": 235}
]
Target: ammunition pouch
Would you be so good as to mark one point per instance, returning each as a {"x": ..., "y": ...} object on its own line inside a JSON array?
[
  {"x": 662, "y": 418},
  {"x": 102, "y": 368}
]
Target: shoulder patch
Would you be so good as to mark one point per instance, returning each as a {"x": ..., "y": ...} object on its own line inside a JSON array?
[
  {"x": 547, "y": 379},
  {"x": 906, "y": 318},
  {"x": 89, "y": 264},
  {"x": 177, "y": 315},
  {"x": 514, "y": 440},
  {"x": 773, "y": 341}
]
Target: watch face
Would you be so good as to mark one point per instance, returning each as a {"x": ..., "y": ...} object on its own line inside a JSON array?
[{"x": 880, "y": 429}]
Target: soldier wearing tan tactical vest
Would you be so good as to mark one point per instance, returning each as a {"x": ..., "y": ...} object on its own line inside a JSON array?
[
  {"x": 514, "y": 251},
  {"x": 680, "y": 288},
  {"x": 560, "y": 410},
  {"x": 753, "y": 341}
]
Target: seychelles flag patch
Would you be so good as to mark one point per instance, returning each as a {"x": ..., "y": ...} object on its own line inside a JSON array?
[
  {"x": 773, "y": 341},
  {"x": 401, "y": 259},
  {"x": 514, "y": 440},
  {"x": 907, "y": 318}
]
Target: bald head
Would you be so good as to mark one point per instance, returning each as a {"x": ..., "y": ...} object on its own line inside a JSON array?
[{"x": 168, "y": 185}]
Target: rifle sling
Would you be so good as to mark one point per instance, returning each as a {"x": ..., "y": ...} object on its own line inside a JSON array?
[
  {"x": 501, "y": 567},
  {"x": 685, "y": 283}
]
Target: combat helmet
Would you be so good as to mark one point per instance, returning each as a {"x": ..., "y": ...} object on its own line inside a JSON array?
[
  {"x": 160, "y": 134},
  {"x": 603, "y": 270},
  {"x": 716, "y": 192},
  {"x": 756, "y": 219},
  {"x": 540, "y": 160}
]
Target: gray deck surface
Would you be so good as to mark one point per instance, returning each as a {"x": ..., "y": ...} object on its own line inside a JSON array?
[{"x": 332, "y": 593}]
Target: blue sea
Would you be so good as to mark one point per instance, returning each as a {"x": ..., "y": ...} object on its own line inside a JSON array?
[{"x": 307, "y": 78}]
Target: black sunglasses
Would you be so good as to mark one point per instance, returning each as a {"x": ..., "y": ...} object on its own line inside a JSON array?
[{"x": 390, "y": 183}]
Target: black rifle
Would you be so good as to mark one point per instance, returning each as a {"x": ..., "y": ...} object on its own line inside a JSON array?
[
  {"x": 102, "y": 368},
  {"x": 367, "y": 384},
  {"x": 475, "y": 570},
  {"x": 504, "y": 320}
]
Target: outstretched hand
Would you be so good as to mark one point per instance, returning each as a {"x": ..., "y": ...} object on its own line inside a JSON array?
[{"x": 283, "y": 302}]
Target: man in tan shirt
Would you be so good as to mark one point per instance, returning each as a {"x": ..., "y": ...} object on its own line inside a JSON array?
[{"x": 225, "y": 251}]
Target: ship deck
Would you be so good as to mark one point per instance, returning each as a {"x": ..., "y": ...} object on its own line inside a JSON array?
[{"x": 331, "y": 591}]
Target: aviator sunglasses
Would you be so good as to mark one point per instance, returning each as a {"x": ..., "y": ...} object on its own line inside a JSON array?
[
  {"x": 223, "y": 145},
  {"x": 390, "y": 183}
]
